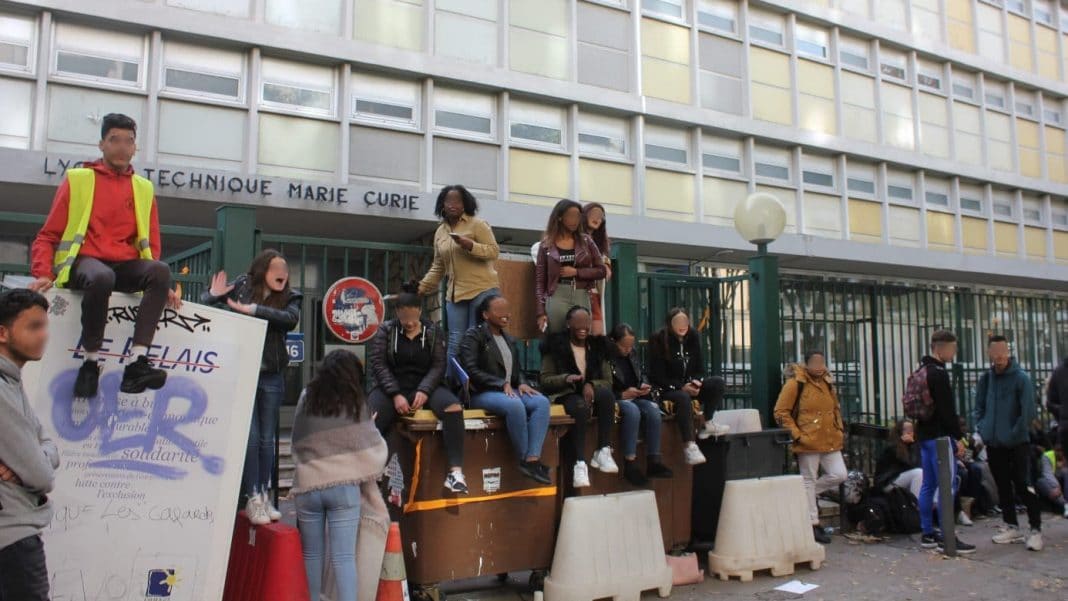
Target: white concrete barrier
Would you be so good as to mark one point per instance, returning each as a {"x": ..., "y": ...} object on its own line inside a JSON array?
[
  {"x": 764, "y": 525},
  {"x": 741, "y": 421},
  {"x": 609, "y": 546}
]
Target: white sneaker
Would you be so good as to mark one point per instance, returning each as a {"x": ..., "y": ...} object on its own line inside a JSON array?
[
  {"x": 1009, "y": 536},
  {"x": 602, "y": 460},
  {"x": 1066, "y": 511},
  {"x": 256, "y": 512},
  {"x": 964, "y": 520},
  {"x": 713, "y": 429},
  {"x": 455, "y": 482},
  {"x": 1034, "y": 542},
  {"x": 269, "y": 507},
  {"x": 581, "y": 478},
  {"x": 694, "y": 456}
]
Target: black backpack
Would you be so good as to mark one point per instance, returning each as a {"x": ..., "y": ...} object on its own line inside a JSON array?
[
  {"x": 870, "y": 516},
  {"x": 904, "y": 511}
]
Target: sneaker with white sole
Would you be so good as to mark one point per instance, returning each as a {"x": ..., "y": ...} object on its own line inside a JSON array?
[
  {"x": 602, "y": 460},
  {"x": 713, "y": 429},
  {"x": 581, "y": 477},
  {"x": 256, "y": 512},
  {"x": 1011, "y": 535},
  {"x": 1034, "y": 542},
  {"x": 455, "y": 482},
  {"x": 1066, "y": 511},
  {"x": 269, "y": 507},
  {"x": 694, "y": 456},
  {"x": 964, "y": 520}
]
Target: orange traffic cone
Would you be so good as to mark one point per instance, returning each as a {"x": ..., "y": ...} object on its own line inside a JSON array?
[{"x": 393, "y": 584}]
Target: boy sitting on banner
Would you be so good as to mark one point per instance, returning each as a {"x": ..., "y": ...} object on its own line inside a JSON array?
[{"x": 102, "y": 235}]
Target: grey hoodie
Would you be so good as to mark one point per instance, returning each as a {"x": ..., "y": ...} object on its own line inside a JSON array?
[{"x": 25, "y": 449}]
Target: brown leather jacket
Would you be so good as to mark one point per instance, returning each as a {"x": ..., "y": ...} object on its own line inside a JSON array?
[{"x": 588, "y": 262}]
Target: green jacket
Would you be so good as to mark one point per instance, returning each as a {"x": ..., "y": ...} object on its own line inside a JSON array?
[{"x": 1005, "y": 407}]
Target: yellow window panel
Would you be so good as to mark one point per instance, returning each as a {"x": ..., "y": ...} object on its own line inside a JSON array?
[
  {"x": 961, "y": 36},
  {"x": 538, "y": 53},
  {"x": 669, "y": 191},
  {"x": 823, "y": 216},
  {"x": 966, "y": 117},
  {"x": 1046, "y": 39},
  {"x": 1027, "y": 133},
  {"x": 974, "y": 235},
  {"x": 904, "y": 226},
  {"x": 1020, "y": 56},
  {"x": 389, "y": 23},
  {"x": 865, "y": 221},
  {"x": 548, "y": 16},
  {"x": 815, "y": 79},
  {"x": 769, "y": 67},
  {"x": 1005, "y": 240},
  {"x": 1048, "y": 66},
  {"x": 291, "y": 144},
  {"x": 817, "y": 114},
  {"x": 1019, "y": 29},
  {"x": 665, "y": 41},
  {"x": 1035, "y": 242},
  {"x": 941, "y": 233},
  {"x": 1055, "y": 168},
  {"x": 538, "y": 174},
  {"x": 1054, "y": 140},
  {"x": 772, "y": 104},
  {"x": 1060, "y": 246},
  {"x": 669, "y": 81},
  {"x": 1030, "y": 163},
  {"x": 960, "y": 10},
  {"x": 858, "y": 89},
  {"x": 606, "y": 182},
  {"x": 720, "y": 197}
]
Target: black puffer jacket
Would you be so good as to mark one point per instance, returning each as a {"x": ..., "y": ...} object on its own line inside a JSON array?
[
  {"x": 381, "y": 357},
  {"x": 482, "y": 360},
  {"x": 674, "y": 363},
  {"x": 279, "y": 321}
]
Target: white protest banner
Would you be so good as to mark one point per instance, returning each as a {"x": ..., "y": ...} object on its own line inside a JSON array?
[{"x": 146, "y": 492}]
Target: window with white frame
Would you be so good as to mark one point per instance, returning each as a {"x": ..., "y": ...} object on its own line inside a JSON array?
[
  {"x": 995, "y": 94},
  {"x": 311, "y": 15},
  {"x": 927, "y": 20},
  {"x": 936, "y": 192},
  {"x": 675, "y": 9},
  {"x": 891, "y": 13},
  {"x": 965, "y": 85},
  {"x": 1052, "y": 111},
  {"x": 1026, "y": 102},
  {"x": 893, "y": 64},
  {"x": 900, "y": 186},
  {"x": 232, "y": 8},
  {"x": 818, "y": 171},
  {"x": 971, "y": 198},
  {"x": 1033, "y": 209},
  {"x": 812, "y": 41},
  {"x": 929, "y": 75},
  {"x": 536, "y": 123},
  {"x": 1017, "y": 6},
  {"x": 1060, "y": 213},
  {"x": 198, "y": 70},
  {"x": 667, "y": 146},
  {"x": 386, "y": 101},
  {"x": 601, "y": 135},
  {"x": 991, "y": 42},
  {"x": 721, "y": 154},
  {"x": 99, "y": 55},
  {"x": 854, "y": 52},
  {"x": 1043, "y": 10},
  {"x": 17, "y": 41},
  {"x": 297, "y": 86},
  {"x": 467, "y": 113},
  {"x": 860, "y": 178},
  {"x": 721, "y": 15},
  {"x": 767, "y": 28},
  {"x": 1004, "y": 204},
  {"x": 771, "y": 163}
]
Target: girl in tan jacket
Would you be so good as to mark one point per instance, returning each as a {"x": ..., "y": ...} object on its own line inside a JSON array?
[{"x": 808, "y": 407}]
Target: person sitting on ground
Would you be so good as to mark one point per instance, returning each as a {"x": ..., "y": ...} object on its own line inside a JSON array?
[
  {"x": 637, "y": 406},
  {"x": 808, "y": 407},
  {"x": 1044, "y": 479},
  {"x": 102, "y": 235},
  {"x": 407, "y": 361},
  {"x": 899, "y": 465},
  {"x": 575, "y": 372},
  {"x": 490, "y": 359}
]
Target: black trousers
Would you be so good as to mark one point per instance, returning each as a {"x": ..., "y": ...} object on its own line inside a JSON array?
[
  {"x": 97, "y": 280},
  {"x": 23, "y": 573},
  {"x": 452, "y": 423},
  {"x": 1011, "y": 467},
  {"x": 683, "y": 412},
  {"x": 604, "y": 407}
]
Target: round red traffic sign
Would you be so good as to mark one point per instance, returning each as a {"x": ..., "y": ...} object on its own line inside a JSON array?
[{"x": 353, "y": 309}]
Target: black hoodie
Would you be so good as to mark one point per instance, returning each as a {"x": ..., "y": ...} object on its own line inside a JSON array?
[
  {"x": 944, "y": 420},
  {"x": 1057, "y": 394}
]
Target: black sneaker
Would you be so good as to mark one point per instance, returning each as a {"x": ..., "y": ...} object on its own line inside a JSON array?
[
  {"x": 140, "y": 375},
  {"x": 532, "y": 470},
  {"x": 87, "y": 384},
  {"x": 821, "y": 535},
  {"x": 963, "y": 548},
  {"x": 930, "y": 541},
  {"x": 655, "y": 469},
  {"x": 633, "y": 474}
]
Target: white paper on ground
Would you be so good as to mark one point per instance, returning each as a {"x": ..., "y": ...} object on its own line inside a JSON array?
[{"x": 796, "y": 586}]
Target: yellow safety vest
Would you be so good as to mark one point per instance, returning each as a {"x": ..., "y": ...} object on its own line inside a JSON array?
[{"x": 82, "y": 184}]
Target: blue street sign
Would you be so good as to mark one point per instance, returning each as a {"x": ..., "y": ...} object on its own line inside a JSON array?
[{"x": 295, "y": 346}]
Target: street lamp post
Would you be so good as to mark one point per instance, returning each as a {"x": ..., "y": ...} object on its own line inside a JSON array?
[{"x": 760, "y": 219}]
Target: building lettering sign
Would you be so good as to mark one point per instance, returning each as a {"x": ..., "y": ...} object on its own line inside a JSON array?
[{"x": 227, "y": 187}]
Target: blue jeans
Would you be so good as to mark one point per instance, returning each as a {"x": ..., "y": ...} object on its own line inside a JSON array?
[
  {"x": 525, "y": 416},
  {"x": 929, "y": 463},
  {"x": 259, "y": 457},
  {"x": 634, "y": 413},
  {"x": 462, "y": 315},
  {"x": 338, "y": 508}
]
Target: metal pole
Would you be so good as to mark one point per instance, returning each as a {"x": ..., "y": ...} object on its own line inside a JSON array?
[
  {"x": 764, "y": 327},
  {"x": 945, "y": 495}
]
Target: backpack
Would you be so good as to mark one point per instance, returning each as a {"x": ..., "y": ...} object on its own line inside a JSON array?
[
  {"x": 870, "y": 516},
  {"x": 904, "y": 511},
  {"x": 917, "y": 401}
]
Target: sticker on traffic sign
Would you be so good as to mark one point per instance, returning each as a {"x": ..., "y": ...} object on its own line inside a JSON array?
[{"x": 353, "y": 309}]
